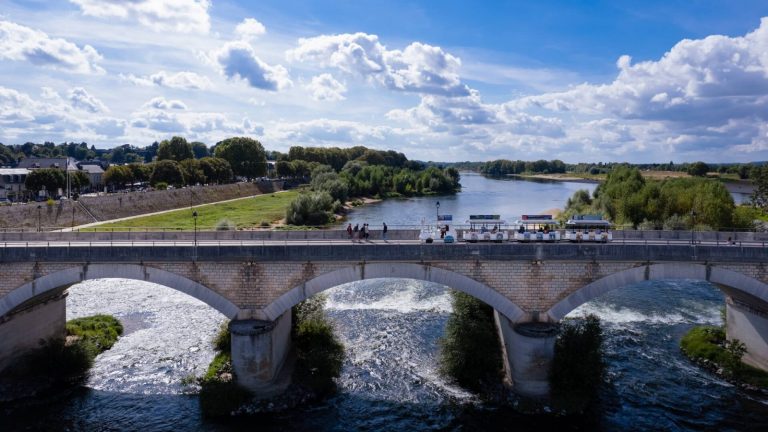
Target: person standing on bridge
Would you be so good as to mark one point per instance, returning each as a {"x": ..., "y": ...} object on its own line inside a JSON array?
[
  {"x": 384, "y": 231},
  {"x": 349, "y": 230}
]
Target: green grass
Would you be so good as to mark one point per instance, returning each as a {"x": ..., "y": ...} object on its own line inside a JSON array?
[
  {"x": 245, "y": 213},
  {"x": 100, "y": 331},
  {"x": 707, "y": 343}
]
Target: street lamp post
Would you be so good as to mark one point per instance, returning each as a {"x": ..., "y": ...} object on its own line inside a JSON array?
[
  {"x": 437, "y": 210},
  {"x": 73, "y": 213},
  {"x": 693, "y": 225},
  {"x": 39, "y": 208},
  {"x": 194, "y": 216}
]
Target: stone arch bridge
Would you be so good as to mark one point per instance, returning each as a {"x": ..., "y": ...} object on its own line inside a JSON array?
[{"x": 530, "y": 286}]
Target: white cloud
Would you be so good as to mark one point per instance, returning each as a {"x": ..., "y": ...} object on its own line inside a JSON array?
[
  {"x": 25, "y": 44},
  {"x": 81, "y": 99},
  {"x": 25, "y": 119},
  {"x": 420, "y": 68},
  {"x": 250, "y": 29},
  {"x": 325, "y": 88},
  {"x": 178, "y": 80},
  {"x": 162, "y": 103},
  {"x": 329, "y": 132},
  {"x": 183, "y": 16},
  {"x": 237, "y": 60}
]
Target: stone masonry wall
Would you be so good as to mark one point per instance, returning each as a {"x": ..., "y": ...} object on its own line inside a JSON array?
[{"x": 250, "y": 285}]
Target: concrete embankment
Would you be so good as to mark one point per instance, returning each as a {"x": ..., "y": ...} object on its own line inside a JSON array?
[{"x": 89, "y": 209}]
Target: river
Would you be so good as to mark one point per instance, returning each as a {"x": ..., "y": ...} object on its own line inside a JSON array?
[{"x": 391, "y": 329}]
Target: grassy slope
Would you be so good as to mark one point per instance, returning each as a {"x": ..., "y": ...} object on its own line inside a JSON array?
[{"x": 245, "y": 213}]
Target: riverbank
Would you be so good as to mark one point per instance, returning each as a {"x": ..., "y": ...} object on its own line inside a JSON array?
[{"x": 708, "y": 347}]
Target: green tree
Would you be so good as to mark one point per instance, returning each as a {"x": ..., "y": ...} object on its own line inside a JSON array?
[
  {"x": 578, "y": 367},
  {"x": 698, "y": 169},
  {"x": 245, "y": 155},
  {"x": 176, "y": 149},
  {"x": 760, "y": 194},
  {"x": 469, "y": 350},
  {"x": 49, "y": 179},
  {"x": 78, "y": 180},
  {"x": 167, "y": 171},
  {"x": 118, "y": 175},
  {"x": 193, "y": 172},
  {"x": 200, "y": 150},
  {"x": 216, "y": 170}
]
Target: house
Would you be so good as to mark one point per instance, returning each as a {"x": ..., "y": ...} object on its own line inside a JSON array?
[
  {"x": 95, "y": 176},
  {"x": 12, "y": 183}
]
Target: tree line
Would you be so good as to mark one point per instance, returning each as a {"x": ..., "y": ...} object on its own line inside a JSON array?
[
  {"x": 627, "y": 198},
  {"x": 361, "y": 172}
]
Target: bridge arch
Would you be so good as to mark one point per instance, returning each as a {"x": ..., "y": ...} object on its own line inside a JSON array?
[
  {"x": 63, "y": 278},
  {"x": 731, "y": 282},
  {"x": 422, "y": 272}
]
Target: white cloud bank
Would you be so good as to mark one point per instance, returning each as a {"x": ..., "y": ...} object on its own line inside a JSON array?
[
  {"x": 250, "y": 29},
  {"x": 22, "y": 43},
  {"x": 183, "y": 16},
  {"x": 419, "y": 68},
  {"x": 178, "y": 80}
]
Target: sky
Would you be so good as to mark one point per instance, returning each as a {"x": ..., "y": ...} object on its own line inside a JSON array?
[{"x": 580, "y": 81}]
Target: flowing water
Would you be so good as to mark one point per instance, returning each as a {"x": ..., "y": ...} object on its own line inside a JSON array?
[{"x": 391, "y": 328}]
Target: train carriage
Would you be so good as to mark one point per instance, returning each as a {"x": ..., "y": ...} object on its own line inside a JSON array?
[
  {"x": 588, "y": 228},
  {"x": 536, "y": 228},
  {"x": 485, "y": 228}
]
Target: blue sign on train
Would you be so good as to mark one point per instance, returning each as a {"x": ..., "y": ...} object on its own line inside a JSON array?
[
  {"x": 484, "y": 217},
  {"x": 545, "y": 217},
  {"x": 445, "y": 218}
]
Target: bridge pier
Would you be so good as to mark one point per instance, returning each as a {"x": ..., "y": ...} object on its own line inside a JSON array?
[
  {"x": 259, "y": 351},
  {"x": 22, "y": 329},
  {"x": 528, "y": 349},
  {"x": 750, "y": 326}
]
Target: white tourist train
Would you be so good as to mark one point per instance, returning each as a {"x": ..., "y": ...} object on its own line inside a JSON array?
[
  {"x": 588, "y": 228},
  {"x": 536, "y": 228},
  {"x": 441, "y": 232},
  {"x": 485, "y": 228}
]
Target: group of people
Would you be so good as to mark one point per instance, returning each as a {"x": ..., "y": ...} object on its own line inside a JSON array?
[{"x": 364, "y": 233}]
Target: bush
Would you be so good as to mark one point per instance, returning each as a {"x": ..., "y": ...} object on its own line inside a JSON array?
[
  {"x": 577, "y": 367},
  {"x": 225, "y": 225},
  {"x": 646, "y": 225},
  {"x": 314, "y": 208},
  {"x": 100, "y": 330},
  {"x": 470, "y": 352},
  {"x": 223, "y": 339},
  {"x": 319, "y": 353},
  {"x": 161, "y": 186},
  {"x": 675, "y": 223}
]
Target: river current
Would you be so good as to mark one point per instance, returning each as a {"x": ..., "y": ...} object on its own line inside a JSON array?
[{"x": 391, "y": 328}]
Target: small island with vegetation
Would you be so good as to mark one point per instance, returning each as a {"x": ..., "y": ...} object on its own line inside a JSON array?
[{"x": 708, "y": 347}]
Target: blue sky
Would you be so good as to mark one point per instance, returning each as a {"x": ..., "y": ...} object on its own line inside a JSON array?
[{"x": 649, "y": 81}]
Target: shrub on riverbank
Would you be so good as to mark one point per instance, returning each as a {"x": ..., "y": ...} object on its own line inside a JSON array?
[
  {"x": 470, "y": 352},
  {"x": 312, "y": 208},
  {"x": 708, "y": 346},
  {"x": 98, "y": 333},
  {"x": 578, "y": 368},
  {"x": 319, "y": 353}
]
